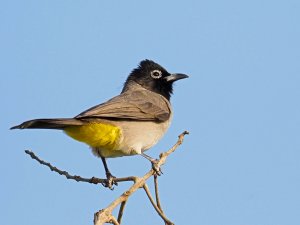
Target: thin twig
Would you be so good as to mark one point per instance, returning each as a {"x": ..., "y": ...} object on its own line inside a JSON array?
[
  {"x": 160, "y": 213},
  {"x": 156, "y": 193},
  {"x": 121, "y": 211},
  {"x": 163, "y": 156},
  {"x": 93, "y": 180}
]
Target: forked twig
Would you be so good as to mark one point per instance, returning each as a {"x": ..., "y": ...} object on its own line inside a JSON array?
[
  {"x": 105, "y": 215},
  {"x": 114, "y": 221}
]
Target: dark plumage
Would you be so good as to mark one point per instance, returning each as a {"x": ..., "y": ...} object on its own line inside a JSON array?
[{"x": 142, "y": 76}]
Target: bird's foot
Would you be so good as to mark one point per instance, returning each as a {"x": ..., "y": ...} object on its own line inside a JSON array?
[
  {"x": 110, "y": 181},
  {"x": 156, "y": 167},
  {"x": 154, "y": 162}
]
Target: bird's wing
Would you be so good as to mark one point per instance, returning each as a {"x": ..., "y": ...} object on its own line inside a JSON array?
[{"x": 140, "y": 105}]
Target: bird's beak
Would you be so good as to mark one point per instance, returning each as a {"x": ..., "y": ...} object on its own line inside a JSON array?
[{"x": 175, "y": 76}]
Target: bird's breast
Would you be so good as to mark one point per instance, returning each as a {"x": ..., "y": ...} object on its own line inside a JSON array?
[{"x": 139, "y": 136}]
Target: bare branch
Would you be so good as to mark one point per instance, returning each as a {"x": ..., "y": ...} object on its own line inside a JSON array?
[
  {"x": 105, "y": 215},
  {"x": 160, "y": 213},
  {"x": 121, "y": 210},
  {"x": 157, "y": 193},
  {"x": 93, "y": 180}
]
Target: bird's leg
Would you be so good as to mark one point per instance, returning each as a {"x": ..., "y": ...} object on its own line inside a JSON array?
[
  {"x": 154, "y": 162},
  {"x": 109, "y": 177}
]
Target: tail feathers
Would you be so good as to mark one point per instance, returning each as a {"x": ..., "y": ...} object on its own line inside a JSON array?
[{"x": 48, "y": 124}]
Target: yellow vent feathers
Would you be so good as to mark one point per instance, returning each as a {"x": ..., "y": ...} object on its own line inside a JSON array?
[{"x": 97, "y": 135}]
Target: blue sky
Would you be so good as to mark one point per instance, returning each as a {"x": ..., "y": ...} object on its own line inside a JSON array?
[{"x": 240, "y": 164}]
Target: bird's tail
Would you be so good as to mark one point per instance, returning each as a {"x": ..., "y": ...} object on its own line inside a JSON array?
[{"x": 59, "y": 124}]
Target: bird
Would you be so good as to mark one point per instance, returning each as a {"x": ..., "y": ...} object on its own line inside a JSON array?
[{"x": 127, "y": 124}]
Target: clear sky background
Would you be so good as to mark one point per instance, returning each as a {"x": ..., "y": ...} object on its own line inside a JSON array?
[{"x": 241, "y": 104}]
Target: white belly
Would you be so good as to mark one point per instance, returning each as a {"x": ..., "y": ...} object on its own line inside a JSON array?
[{"x": 136, "y": 138}]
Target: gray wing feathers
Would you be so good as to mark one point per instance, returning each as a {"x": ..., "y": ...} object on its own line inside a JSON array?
[
  {"x": 137, "y": 105},
  {"x": 140, "y": 105}
]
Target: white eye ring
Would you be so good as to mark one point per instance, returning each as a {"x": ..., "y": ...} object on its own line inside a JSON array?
[{"x": 156, "y": 74}]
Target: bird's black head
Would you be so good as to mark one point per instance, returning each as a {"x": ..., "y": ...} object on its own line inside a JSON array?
[{"x": 154, "y": 77}]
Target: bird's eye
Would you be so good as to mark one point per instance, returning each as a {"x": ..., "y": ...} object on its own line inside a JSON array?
[{"x": 156, "y": 74}]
